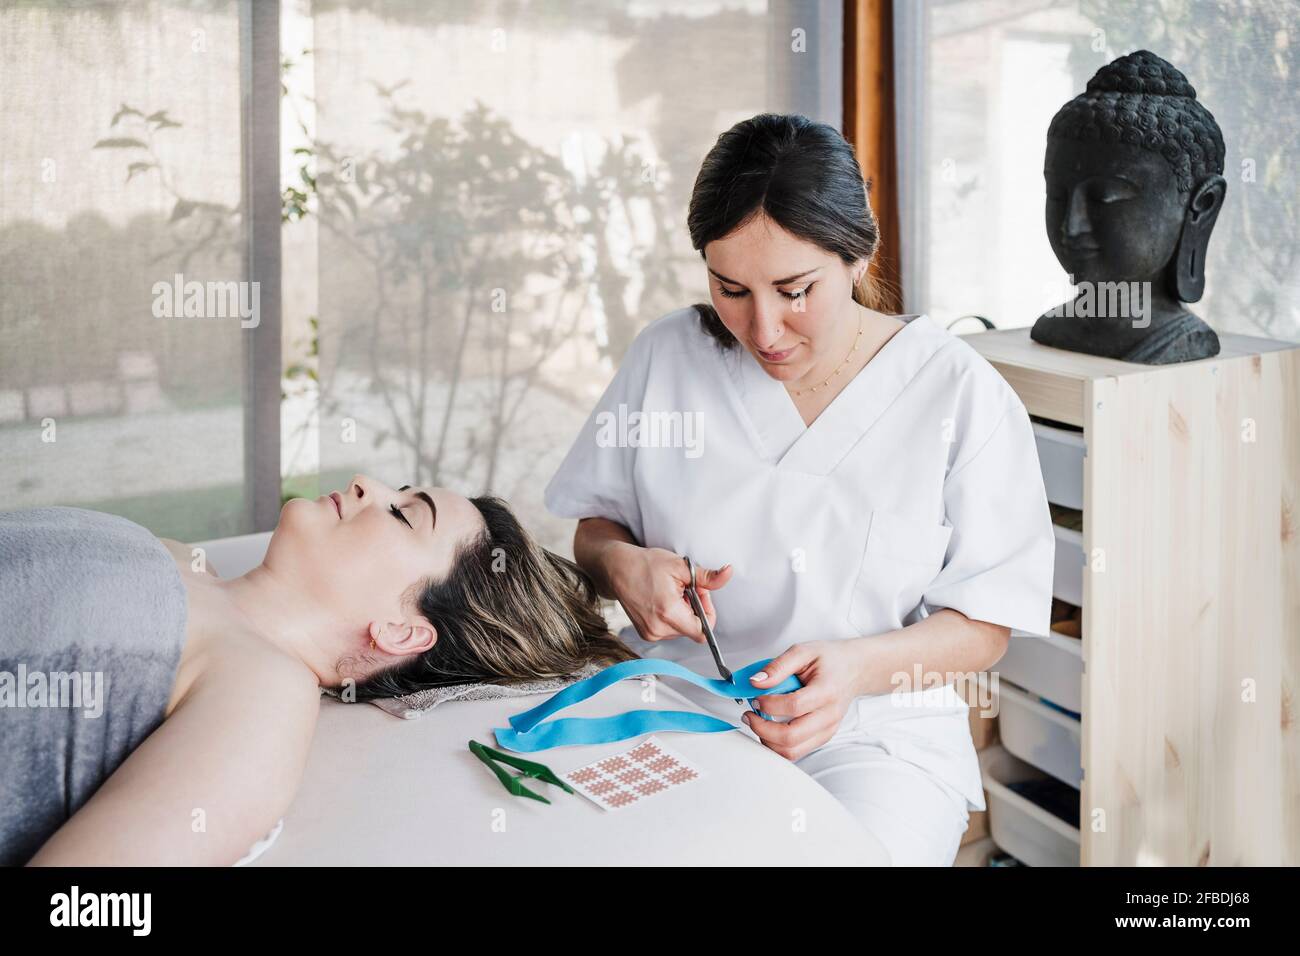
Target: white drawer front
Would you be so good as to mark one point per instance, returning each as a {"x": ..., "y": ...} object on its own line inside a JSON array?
[
  {"x": 1050, "y": 666},
  {"x": 1060, "y": 455},
  {"x": 1039, "y": 735},
  {"x": 1028, "y": 832},
  {"x": 1067, "y": 577}
]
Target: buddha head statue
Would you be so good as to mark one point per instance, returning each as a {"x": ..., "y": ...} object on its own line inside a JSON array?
[{"x": 1134, "y": 174}]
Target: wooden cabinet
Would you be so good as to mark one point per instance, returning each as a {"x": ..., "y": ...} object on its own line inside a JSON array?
[{"x": 1190, "y": 593}]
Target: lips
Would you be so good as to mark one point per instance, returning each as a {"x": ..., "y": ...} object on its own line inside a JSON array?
[
  {"x": 777, "y": 356},
  {"x": 338, "y": 503}
]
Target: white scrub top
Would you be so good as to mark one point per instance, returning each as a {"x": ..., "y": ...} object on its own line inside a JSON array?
[{"x": 917, "y": 488}]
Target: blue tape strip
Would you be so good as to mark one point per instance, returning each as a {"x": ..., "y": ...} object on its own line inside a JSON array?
[{"x": 528, "y": 734}]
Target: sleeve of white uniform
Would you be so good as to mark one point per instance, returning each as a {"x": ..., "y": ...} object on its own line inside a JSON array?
[
  {"x": 1000, "y": 556},
  {"x": 595, "y": 479}
]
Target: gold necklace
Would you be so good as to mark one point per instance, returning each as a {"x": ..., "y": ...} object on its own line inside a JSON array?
[{"x": 798, "y": 392}]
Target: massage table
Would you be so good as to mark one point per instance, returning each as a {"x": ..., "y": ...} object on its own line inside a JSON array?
[{"x": 382, "y": 791}]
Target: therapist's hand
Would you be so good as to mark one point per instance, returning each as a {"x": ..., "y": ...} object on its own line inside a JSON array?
[
  {"x": 826, "y": 669},
  {"x": 651, "y": 584}
]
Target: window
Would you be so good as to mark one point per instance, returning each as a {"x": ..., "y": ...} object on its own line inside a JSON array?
[
  {"x": 503, "y": 192},
  {"x": 127, "y": 185},
  {"x": 979, "y": 82}
]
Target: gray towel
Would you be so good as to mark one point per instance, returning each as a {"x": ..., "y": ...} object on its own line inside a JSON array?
[{"x": 92, "y": 624}]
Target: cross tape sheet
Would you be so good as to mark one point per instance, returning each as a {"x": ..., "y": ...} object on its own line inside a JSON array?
[{"x": 630, "y": 778}]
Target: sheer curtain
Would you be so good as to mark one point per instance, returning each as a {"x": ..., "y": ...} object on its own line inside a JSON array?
[
  {"x": 124, "y": 174},
  {"x": 979, "y": 82},
  {"x": 503, "y": 191}
]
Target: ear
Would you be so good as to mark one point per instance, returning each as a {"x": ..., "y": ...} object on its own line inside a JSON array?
[
  {"x": 1188, "y": 278},
  {"x": 858, "y": 271},
  {"x": 399, "y": 638}
]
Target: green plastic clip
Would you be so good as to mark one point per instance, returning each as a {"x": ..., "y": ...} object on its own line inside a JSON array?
[{"x": 526, "y": 768}]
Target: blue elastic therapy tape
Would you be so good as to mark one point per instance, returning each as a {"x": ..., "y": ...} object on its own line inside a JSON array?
[{"x": 527, "y": 733}]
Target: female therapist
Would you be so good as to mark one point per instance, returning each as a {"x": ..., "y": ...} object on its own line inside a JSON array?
[{"x": 860, "y": 492}]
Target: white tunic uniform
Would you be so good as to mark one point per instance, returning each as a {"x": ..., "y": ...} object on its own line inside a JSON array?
[{"x": 917, "y": 488}]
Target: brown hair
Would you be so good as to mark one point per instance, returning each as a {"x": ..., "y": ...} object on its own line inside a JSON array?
[{"x": 509, "y": 611}]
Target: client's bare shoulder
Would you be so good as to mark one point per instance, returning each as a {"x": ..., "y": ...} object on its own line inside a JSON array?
[
  {"x": 184, "y": 555},
  {"x": 225, "y": 762},
  {"x": 214, "y": 777}
]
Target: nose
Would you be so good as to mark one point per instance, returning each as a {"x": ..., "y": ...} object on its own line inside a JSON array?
[
  {"x": 769, "y": 324},
  {"x": 359, "y": 487},
  {"x": 1076, "y": 218}
]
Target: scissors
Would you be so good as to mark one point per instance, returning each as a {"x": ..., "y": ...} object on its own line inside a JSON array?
[{"x": 694, "y": 596}]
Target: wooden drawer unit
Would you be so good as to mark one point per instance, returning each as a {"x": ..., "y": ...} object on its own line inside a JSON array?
[{"x": 1190, "y": 585}]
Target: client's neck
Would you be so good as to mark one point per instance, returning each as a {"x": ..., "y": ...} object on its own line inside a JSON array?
[{"x": 289, "y": 620}]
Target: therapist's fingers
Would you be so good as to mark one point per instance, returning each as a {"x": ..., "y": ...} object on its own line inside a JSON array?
[
  {"x": 782, "y": 666},
  {"x": 795, "y": 739},
  {"x": 684, "y": 622},
  {"x": 707, "y": 580},
  {"x": 674, "y": 616},
  {"x": 706, "y": 602},
  {"x": 805, "y": 700},
  {"x": 668, "y": 618}
]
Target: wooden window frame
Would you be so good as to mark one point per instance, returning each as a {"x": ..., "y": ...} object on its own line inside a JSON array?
[{"x": 869, "y": 124}]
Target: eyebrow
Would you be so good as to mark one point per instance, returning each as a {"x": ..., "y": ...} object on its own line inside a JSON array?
[
  {"x": 1106, "y": 174},
  {"x": 433, "y": 509},
  {"x": 774, "y": 281}
]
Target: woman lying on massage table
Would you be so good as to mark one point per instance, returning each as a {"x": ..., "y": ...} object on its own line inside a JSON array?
[{"x": 213, "y": 686}]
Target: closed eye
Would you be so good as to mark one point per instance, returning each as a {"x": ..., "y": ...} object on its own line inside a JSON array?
[
  {"x": 400, "y": 517},
  {"x": 728, "y": 294}
]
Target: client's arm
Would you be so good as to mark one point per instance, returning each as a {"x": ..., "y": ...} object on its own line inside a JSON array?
[{"x": 210, "y": 781}]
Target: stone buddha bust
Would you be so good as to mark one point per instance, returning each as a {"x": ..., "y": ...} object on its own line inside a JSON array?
[{"x": 1134, "y": 171}]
